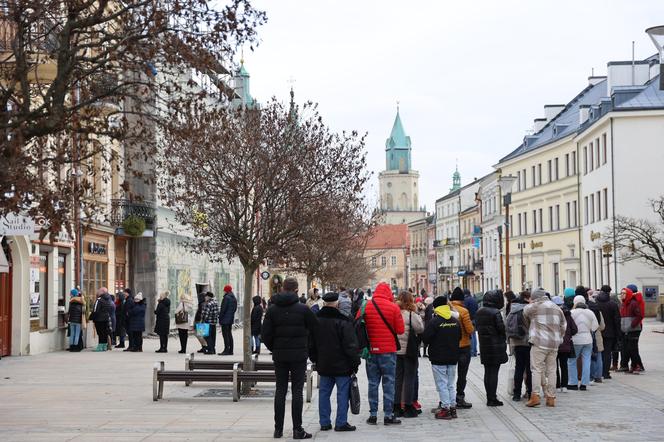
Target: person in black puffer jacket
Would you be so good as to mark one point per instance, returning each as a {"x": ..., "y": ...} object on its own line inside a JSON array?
[
  {"x": 611, "y": 333},
  {"x": 565, "y": 348},
  {"x": 493, "y": 342},
  {"x": 75, "y": 318},
  {"x": 286, "y": 330},
  {"x": 136, "y": 322},
  {"x": 101, "y": 316},
  {"x": 163, "y": 321},
  {"x": 256, "y": 321}
]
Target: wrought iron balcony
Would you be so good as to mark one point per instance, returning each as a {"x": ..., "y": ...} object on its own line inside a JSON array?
[
  {"x": 445, "y": 270},
  {"x": 123, "y": 208}
]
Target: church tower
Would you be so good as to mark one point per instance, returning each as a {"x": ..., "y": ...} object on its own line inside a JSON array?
[{"x": 399, "y": 183}]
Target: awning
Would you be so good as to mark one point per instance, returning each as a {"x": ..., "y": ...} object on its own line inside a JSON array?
[{"x": 465, "y": 273}]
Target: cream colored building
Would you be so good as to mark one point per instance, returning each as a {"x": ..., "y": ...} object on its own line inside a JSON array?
[
  {"x": 387, "y": 252},
  {"x": 419, "y": 254}
]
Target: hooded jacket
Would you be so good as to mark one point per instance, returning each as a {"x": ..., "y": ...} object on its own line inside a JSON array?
[
  {"x": 631, "y": 308},
  {"x": 611, "y": 313},
  {"x": 586, "y": 323},
  {"x": 546, "y": 323},
  {"x": 102, "y": 309},
  {"x": 163, "y": 321},
  {"x": 345, "y": 304},
  {"x": 381, "y": 338},
  {"x": 228, "y": 308},
  {"x": 442, "y": 334},
  {"x": 136, "y": 320},
  {"x": 491, "y": 329},
  {"x": 467, "y": 328},
  {"x": 257, "y": 316},
  {"x": 335, "y": 349},
  {"x": 286, "y": 328}
]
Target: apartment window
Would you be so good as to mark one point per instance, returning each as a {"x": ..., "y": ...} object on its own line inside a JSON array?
[
  {"x": 604, "y": 149},
  {"x": 539, "y": 174},
  {"x": 534, "y": 181},
  {"x": 574, "y": 163},
  {"x": 568, "y": 213},
  {"x": 585, "y": 160},
  {"x": 557, "y": 217},
  {"x": 534, "y": 221},
  {"x": 394, "y": 261},
  {"x": 592, "y": 208},
  {"x": 588, "y": 265},
  {"x": 595, "y": 268},
  {"x": 518, "y": 218},
  {"x": 548, "y": 170},
  {"x": 383, "y": 261},
  {"x": 550, "y": 218},
  {"x": 597, "y": 158},
  {"x": 606, "y": 203},
  {"x": 541, "y": 224},
  {"x": 511, "y": 227},
  {"x": 585, "y": 209},
  {"x": 566, "y": 164},
  {"x": 538, "y": 268},
  {"x": 373, "y": 261},
  {"x": 518, "y": 181},
  {"x": 599, "y": 205},
  {"x": 591, "y": 160},
  {"x": 555, "y": 169},
  {"x": 556, "y": 278},
  {"x": 575, "y": 212},
  {"x": 525, "y": 224}
]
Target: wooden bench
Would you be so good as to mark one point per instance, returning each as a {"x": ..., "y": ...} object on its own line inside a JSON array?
[{"x": 236, "y": 376}]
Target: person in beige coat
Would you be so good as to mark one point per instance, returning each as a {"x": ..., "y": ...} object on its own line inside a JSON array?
[{"x": 407, "y": 356}]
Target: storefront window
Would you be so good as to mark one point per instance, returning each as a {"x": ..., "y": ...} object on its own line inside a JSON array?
[
  {"x": 40, "y": 304},
  {"x": 95, "y": 276},
  {"x": 62, "y": 288}
]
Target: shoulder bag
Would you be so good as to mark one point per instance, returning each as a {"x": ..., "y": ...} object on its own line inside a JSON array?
[
  {"x": 387, "y": 324},
  {"x": 182, "y": 317}
]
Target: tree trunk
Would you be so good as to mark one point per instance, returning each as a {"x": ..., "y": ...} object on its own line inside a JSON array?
[{"x": 246, "y": 321}]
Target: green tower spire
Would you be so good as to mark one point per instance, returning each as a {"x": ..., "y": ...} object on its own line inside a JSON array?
[
  {"x": 397, "y": 147},
  {"x": 456, "y": 179}
]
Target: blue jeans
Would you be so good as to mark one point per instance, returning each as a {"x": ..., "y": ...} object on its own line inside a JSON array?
[
  {"x": 473, "y": 344},
  {"x": 325, "y": 387},
  {"x": 596, "y": 366},
  {"x": 584, "y": 351},
  {"x": 443, "y": 376},
  {"x": 382, "y": 367},
  {"x": 74, "y": 333},
  {"x": 256, "y": 343}
]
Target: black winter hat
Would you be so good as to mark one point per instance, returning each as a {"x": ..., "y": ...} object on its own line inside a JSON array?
[
  {"x": 439, "y": 300},
  {"x": 606, "y": 289},
  {"x": 457, "y": 294},
  {"x": 580, "y": 291},
  {"x": 331, "y": 297}
]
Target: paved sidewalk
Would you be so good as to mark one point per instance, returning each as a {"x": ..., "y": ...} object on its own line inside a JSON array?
[{"x": 108, "y": 396}]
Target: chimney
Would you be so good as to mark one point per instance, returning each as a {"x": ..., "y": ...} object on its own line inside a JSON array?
[
  {"x": 656, "y": 34},
  {"x": 551, "y": 111},
  {"x": 538, "y": 124},
  {"x": 584, "y": 111}
]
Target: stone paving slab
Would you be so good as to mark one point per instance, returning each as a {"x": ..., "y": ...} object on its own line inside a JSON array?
[{"x": 92, "y": 396}]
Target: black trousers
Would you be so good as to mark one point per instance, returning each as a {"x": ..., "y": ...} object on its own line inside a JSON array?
[
  {"x": 297, "y": 372},
  {"x": 227, "y": 334},
  {"x": 609, "y": 345},
  {"x": 521, "y": 367},
  {"x": 183, "y": 334},
  {"x": 561, "y": 370},
  {"x": 632, "y": 350},
  {"x": 102, "y": 332},
  {"x": 211, "y": 339},
  {"x": 405, "y": 381},
  {"x": 137, "y": 337},
  {"x": 163, "y": 342},
  {"x": 491, "y": 381},
  {"x": 462, "y": 372}
]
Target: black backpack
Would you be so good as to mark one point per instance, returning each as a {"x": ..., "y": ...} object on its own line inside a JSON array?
[
  {"x": 515, "y": 327},
  {"x": 362, "y": 334}
]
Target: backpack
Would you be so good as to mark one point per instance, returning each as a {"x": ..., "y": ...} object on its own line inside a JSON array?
[
  {"x": 515, "y": 327},
  {"x": 362, "y": 334}
]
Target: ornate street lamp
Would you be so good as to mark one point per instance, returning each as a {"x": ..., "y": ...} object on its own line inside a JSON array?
[
  {"x": 656, "y": 34},
  {"x": 506, "y": 183}
]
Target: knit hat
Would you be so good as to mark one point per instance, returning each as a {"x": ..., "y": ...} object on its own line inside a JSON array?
[
  {"x": 74, "y": 293},
  {"x": 580, "y": 291},
  {"x": 569, "y": 292},
  {"x": 441, "y": 300},
  {"x": 537, "y": 294},
  {"x": 606, "y": 289},
  {"x": 457, "y": 294},
  {"x": 228, "y": 288},
  {"x": 138, "y": 297},
  {"x": 209, "y": 294},
  {"x": 633, "y": 288},
  {"x": 558, "y": 300},
  {"x": 428, "y": 300},
  {"x": 578, "y": 299}
]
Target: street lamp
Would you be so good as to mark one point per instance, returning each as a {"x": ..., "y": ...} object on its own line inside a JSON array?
[
  {"x": 607, "y": 249},
  {"x": 506, "y": 183},
  {"x": 656, "y": 34}
]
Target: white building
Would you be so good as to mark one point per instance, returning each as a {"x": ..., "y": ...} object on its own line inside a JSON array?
[{"x": 492, "y": 227}]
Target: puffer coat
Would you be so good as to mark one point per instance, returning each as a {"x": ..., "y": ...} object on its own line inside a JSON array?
[{"x": 491, "y": 329}]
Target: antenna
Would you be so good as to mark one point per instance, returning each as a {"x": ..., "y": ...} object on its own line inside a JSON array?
[
  {"x": 592, "y": 72},
  {"x": 633, "y": 67}
]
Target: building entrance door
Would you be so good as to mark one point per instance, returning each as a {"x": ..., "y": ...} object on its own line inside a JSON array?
[{"x": 6, "y": 305}]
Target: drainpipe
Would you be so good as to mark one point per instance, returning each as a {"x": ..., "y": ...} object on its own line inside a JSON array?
[{"x": 578, "y": 211}]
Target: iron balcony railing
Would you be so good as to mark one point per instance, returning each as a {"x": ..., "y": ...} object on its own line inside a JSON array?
[{"x": 123, "y": 208}]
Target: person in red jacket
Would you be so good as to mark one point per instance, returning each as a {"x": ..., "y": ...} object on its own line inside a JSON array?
[
  {"x": 384, "y": 322},
  {"x": 631, "y": 312}
]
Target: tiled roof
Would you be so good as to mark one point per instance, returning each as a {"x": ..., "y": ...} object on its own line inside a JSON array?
[
  {"x": 393, "y": 236},
  {"x": 650, "y": 97}
]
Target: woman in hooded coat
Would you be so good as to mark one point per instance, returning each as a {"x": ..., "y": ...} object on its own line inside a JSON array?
[
  {"x": 163, "y": 323},
  {"x": 493, "y": 342}
]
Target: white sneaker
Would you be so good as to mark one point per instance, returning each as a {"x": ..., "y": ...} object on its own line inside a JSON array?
[
  {"x": 564, "y": 390},
  {"x": 592, "y": 383}
]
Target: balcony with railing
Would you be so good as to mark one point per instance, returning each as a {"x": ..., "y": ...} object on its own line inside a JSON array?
[
  {"x": 445, "y": 270},
  {"x": 121, "y": 209}
]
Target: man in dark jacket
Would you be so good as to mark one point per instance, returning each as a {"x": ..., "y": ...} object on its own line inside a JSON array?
[
  {"x": 336, "y": 359},
  {"x": 471, "y": 305},
  {"x": 128, "y": 305},
  {"x": 136, "y": 323},
  {"x": 492, "y": 338},
  {"x": 286, "y": 330},
  {"x": 120, "y": 319},
  {"x": 226, "y": 319},
  {"x": 611, "y": 334},
  {"x": 256, "y": 322}
]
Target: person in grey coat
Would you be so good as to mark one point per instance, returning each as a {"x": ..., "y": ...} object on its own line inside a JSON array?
[{"x": 345, "y": 303}]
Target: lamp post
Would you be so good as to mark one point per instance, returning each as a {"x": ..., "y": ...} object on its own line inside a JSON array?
[
  {"x": 506, "y": 183},
  {"x": 656, "y": 34},
  {"x": 607, "y": 249}
]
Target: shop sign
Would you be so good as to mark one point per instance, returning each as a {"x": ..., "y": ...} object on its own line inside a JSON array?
[
  {"x": 595, "y": 235},
  {"x": 96, "y": 248},
  {"x": 15, "y": 225},
  {"x": 535, "y": 245}
]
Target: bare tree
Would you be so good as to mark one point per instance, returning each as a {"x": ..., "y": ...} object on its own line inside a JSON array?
[
  {"x": 640, "y": 239},
  {"x": 76, "y": 76},
  {"x": 249, "y": 182}
]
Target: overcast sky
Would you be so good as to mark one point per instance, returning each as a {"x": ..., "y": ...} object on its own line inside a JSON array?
[{"x": 470, "y": 75}]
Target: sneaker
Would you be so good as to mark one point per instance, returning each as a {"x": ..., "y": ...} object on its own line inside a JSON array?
[
  {"x": 598, "y": 381},
  {"x": 373, "y": 420},
  {"x": 637, "y": 369},
  {"x": 516, "y": 398},
  {"x": 592, "y": 382},
  {"x": 622, "y": 369},
  {"x": 410, "y": 412},
  {"x": 327, "y": 427},
  {"x": 494, "y": 403},
  {"x": 608, "y": 376},
  {"x": 391, "y": 421},
  {"x": 345, "y": 427},
  {"x": 437, "y": 409},
  {"x": 572, "y": 387},
  {"x": 564, "y": 390},
  {"x": 583, "y": 388},
  {"x": 453, "y": 412},
  {"x": 461, "y": 403},
  {"x": 417, "y": 406},
  {"x": 301, "y": 434},
  {"x": 444, "y": 414},
  {"x": 278, "y": 434}
]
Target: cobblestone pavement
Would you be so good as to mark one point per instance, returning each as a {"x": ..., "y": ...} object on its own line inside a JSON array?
[{"x": 108, "y": 396}]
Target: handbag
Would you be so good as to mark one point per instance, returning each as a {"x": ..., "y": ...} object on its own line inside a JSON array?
[
  {"x": 412, "y": 346},
  {"x": 387, "y": 324},
  {"x": 362, "y": 335},
  {"x": 182, "y": 317},
  {"x": 626, "y": 324},
  {"x": 203, "y": 329},
  {"x": 354, "y": 396}
]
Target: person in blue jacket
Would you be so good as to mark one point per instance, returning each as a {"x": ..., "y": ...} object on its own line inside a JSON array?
[
  {"x": 136, "y": 322},
  {"x": 226, "y": 319}
]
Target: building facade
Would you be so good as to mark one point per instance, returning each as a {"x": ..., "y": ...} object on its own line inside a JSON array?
[
  {"x": 492, "y": 223},
  {"x": 418, "y": 233},
  {"x": 387, "y": 252}
]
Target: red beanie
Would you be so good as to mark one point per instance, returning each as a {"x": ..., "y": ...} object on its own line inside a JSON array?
[{"x": 228, "y": 288}]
